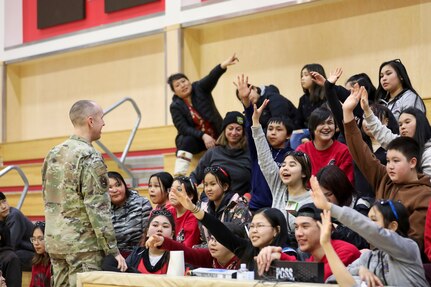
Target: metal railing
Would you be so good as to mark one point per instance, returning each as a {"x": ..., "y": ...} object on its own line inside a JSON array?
[
  {"x": 24, "y": 179},
  {"x": 121, "y": 161}
]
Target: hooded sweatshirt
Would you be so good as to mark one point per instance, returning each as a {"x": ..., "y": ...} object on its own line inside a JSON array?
[
  {"x": 235, "y": 161},
  {"x": 414, "y": 195},
  {"x": 396, "y": 259}
]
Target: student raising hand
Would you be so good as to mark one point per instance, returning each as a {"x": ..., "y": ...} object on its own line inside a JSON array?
[
  {"x": 244, "y": 90},
  {"x": 351, "y": 102},
  {"x": 182, "y": 197},
  {"x": 258, "y": 112},
  {"x": 325, "y": 227},
  {"x": 317, "y": 195},
  {"x": 344, "y": 278},
  {"x": 365, "y": 105}
]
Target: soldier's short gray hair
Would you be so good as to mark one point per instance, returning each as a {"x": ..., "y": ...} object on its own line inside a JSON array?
[{"x": 81, "y": 110}]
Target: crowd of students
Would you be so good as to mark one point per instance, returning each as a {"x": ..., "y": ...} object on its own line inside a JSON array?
[{"x": 268, "y": 195}]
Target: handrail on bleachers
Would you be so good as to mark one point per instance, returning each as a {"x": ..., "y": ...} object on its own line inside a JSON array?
[
  {"x": 121, "y": 161},
  {"x": 24, "y": 179}
]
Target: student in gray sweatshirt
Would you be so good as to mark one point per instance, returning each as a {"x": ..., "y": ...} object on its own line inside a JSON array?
[{"x": 394, "y": 259}]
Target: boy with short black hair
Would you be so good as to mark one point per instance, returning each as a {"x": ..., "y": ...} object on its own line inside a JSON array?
[
  {"x": 278, "y": 132},
  {"x": 400, "y": 179},
  {"x": 307, "y": 233}
]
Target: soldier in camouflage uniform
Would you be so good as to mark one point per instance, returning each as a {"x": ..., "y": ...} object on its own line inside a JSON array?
[{"x": 79, "y": 229}]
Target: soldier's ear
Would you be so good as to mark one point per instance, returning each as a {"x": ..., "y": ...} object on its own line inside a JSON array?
[{"x": 90, "y": 121}]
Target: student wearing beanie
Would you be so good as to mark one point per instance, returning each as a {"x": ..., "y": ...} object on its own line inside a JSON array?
[{"x": 231, "y": 153}]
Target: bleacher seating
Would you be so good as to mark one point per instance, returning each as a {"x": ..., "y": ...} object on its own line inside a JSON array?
[{"x": 152, "y": 150}]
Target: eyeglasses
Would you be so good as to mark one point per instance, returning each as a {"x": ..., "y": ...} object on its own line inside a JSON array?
[
  {"x": 258, "y": 226},
  {"x": 214, "y": 169},
  {"x": 391, "y": 205},
  {"x": 298, "y": 154},
  {"x": 37, "y": 239}
]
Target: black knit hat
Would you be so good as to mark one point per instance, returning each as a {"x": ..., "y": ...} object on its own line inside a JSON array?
[
  {"x": 233, "y": 118},
  {"x": 165, "y": 178},
  {"x": 2, "y": 196},
  {"x": 310, "y": 210}
]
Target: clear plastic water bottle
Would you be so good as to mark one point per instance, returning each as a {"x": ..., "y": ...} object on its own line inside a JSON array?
[{"x": 242, "y": 272}]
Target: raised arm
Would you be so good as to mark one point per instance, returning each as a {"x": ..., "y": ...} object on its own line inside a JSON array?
[
  {"x": 223, "y": 235},
  {"x": 379, "y": 131},
  {"x": 331, "y": 94},
  {"x": 382, "y": 238},
  {"x": 368, "y": 164},
  {"x": 195, "y": 256},
  {"x": 209, "y": 82},
  {"x": 343, "y": 276},
  {"x": 267, "y": 164}
]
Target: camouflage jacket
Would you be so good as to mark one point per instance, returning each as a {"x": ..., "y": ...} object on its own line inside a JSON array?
[{"x": 77, "y": 204}]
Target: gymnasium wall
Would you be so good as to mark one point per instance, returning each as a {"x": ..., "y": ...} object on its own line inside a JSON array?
[{"x": 272, "y": 47}]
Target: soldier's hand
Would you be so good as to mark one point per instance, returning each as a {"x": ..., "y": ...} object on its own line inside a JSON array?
[{"x": 121, "y": 262}]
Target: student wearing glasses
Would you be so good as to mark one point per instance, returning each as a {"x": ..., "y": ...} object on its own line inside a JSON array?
[
  {"x": 186, "y": 225},
  {"x": 396, "y": 89},
  {"x": 267, "y": 227},
  {"x": 400, "y": 179},
  {"x": 41, "y": 268},
  {"x": 223, "y": 203},
  {"x": 394, "y": 259}
]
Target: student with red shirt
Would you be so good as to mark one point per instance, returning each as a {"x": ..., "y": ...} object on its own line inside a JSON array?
[
  {"x": 41, "y": 264},
  {"x": 307, "y": 233},
  {"x": 148, "y": 260},
  {"x": 215, "y": 256},
  {"x": 323, "y": 149},
  {"x": 186, "y": 224}
]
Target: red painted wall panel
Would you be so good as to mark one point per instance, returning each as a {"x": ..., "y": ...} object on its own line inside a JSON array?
[{"x": 95, "y": 16}]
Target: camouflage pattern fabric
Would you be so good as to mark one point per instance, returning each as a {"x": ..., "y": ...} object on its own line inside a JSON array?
[
  {"x": 77, "y": 204},
  {"x": 65, "y": 267}
]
